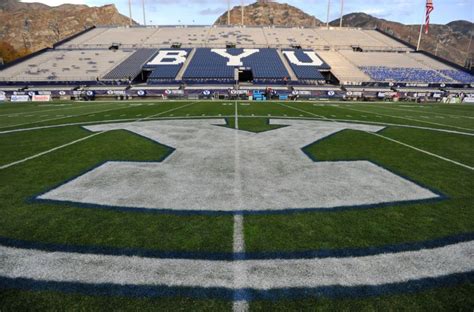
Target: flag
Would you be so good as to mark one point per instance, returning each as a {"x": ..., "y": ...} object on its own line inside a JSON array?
[{"x": 429, "y": 9}]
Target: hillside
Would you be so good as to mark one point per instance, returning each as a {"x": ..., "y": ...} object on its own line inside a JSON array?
[
  {"x": 269, "y": 13},
  {"x": 33, "y": 26},
  {"x": 448, "y": 41}
]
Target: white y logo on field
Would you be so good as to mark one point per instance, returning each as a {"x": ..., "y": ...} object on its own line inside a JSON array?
[{"x": 273, "y": 173}]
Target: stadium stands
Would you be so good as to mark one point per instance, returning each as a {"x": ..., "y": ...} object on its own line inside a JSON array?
[
  {"x": 66, "y": 65},
  {"x": 397, "y": 74},
  {"x": 262, "y": 55},
  {"x": 458, "y": 75},
  {"x": 310, "y": 65},
  {"x": 132, "y": 66}
]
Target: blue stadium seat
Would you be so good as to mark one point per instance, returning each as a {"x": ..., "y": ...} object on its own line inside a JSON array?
[
  {"x": 306, "y": 72},
  {"x": 458, "y": 75},
  {"x": 379, "y": 73}
]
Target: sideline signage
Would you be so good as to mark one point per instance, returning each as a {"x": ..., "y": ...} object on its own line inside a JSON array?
[
  {"x": 41, "y": 98},
  {"x": 20, "y": 98}
]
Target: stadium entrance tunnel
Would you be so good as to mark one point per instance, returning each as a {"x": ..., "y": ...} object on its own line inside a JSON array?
[{"x": 245, "y": 75}]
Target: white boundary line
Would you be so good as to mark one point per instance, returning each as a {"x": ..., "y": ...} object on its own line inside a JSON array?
[
  {"x": 424, "y": 112},
  {"x": 80, "y": 140},
  {"x": 240, "y": 274},
  {"x": 411, "y": 119},
  {"x": 404, "y": 144},
  {"x": 423, "y": 151},
  {"x": 49, "y": 151},
  {"x": 65, "y": 117},
  {"x": 240, "y": 116},
  {"x": 53, "y": 110}
]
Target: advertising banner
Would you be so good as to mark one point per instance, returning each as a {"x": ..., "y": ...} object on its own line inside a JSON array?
[
  {"x": 20, "y": 98},
  {"x": 41, "y": 98}
]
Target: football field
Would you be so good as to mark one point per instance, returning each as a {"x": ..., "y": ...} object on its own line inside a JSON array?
[{"x": 235, "y": 205}]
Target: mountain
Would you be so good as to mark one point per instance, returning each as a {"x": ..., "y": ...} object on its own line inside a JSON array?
[
  {"x": 447, "y": 41},
  {"x": 264, "y": 13},
  {"x": 29, "y": 27}
]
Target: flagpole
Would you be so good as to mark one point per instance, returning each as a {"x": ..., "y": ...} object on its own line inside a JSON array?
[{"x": 421, "y": 31}]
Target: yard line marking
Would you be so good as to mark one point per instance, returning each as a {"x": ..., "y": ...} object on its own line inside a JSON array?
[
  {"x": 73, "y": 142},
  {"x": 57, "y": 109},
  {"x": 232, "y": 116},
  {"x": 64, "y": 117},
  {"x": 303, "y": 111},
  {"x": 240, "y": 275},
  {"x": 411, "y": 119},
  {"x": 49, "y": 151},
  {"x": 422, "y": 151},
  {"x": 424, "y": 111}
]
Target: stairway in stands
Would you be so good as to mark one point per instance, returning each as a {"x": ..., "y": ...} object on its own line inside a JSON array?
[{"x": 181, "y": 72}]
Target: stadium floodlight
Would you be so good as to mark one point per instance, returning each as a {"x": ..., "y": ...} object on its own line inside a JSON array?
[
  {"x": 329, "y": 12},
  {"x": 342, "y": 13}
]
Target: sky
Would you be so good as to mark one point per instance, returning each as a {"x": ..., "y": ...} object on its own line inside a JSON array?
[{"x": 205, "y": 12}]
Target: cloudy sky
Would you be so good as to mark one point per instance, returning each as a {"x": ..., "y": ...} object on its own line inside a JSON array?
[{"x": 204, "y": 12}]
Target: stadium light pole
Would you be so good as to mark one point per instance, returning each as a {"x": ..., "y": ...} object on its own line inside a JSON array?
[
  {"x": 342, "y": 13},
  {"x": 329, "y": 12},
  {"x": 130, "y": 11},
  {"x": 243, "y": 13},
  {"x": 228, "y": 12},
  {"x": 144, "y": 15}
]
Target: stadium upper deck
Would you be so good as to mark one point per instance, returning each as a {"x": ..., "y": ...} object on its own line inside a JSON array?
[{"x": 227, "y": 55}]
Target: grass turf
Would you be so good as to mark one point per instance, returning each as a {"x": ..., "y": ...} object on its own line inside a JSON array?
[{"x": 68, "y": 224}]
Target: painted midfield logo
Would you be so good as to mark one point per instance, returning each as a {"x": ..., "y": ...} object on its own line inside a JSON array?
[{"x": 217, "y": 169}]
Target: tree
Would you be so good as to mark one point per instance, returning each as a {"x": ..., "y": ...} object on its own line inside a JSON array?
[{"x": 8, "y": 53}]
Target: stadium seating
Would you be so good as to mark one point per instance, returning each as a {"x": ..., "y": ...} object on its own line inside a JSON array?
[
  {"x": 305, "y": 72},
  {"x": 132, "y": 66},
  {"x": 397, "y": 74},
  {"x": 206, "y": 65},
  {"x": 458, "y": 75}
]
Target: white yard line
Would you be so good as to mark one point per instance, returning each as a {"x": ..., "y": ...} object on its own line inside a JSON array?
[
  {"x": 240, "y": 274},
  {"x": 63, "y": 117},
  {"x": 53, "y": 110},
  {"x": 411, "y": 119},
  {"x": 404, "y": 144},
  {"x": 423, "y": 112},
  {"x": 423, "y": 151},
  {"x": 49, "y": 151},
  {"x": 79, "y": 140},
  {"x": 303, "y": 111},
  {"x": 317, "y": 117}
]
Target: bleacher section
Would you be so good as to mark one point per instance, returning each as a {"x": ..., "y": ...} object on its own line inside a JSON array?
[
  {"x": 306, "y": 64},
  {"x": 166, "y": 65},
  {"x": 246, "y": 37},
  {"x": 208, "y": 66},
  {"x": 343, "y": 69},
  {"x": 262, "y": 55},
  {"x": 458, "y": 75},
  {"x": 132, "y": 66},
  {"x": 398, "y": 74},
  {"x": 66, "y": 65}
]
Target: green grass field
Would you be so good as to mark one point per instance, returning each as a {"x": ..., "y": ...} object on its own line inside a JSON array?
[{"x": 432, "y": 144}]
